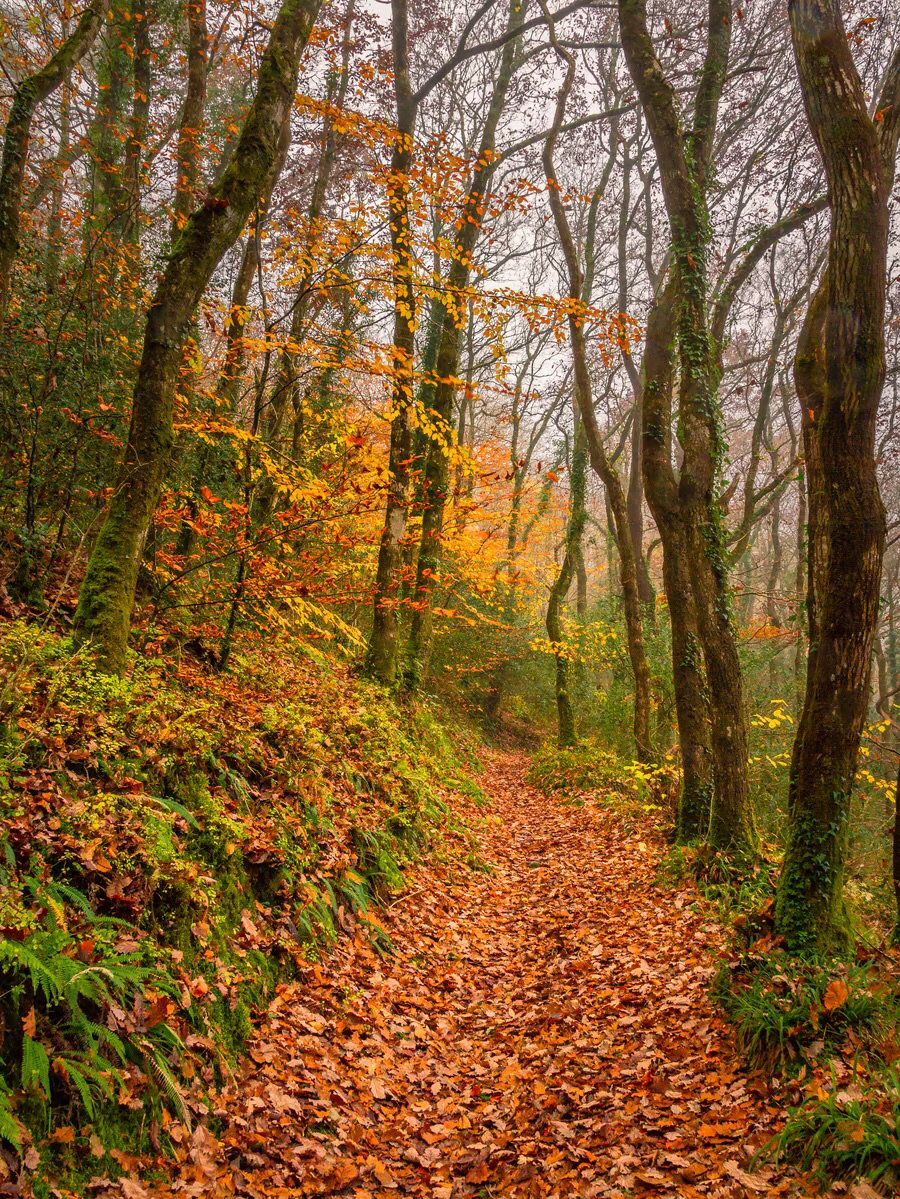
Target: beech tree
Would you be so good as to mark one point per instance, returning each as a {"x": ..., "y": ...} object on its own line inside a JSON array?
[
  {"x": 839, "y": 374},
  {"x": 596, "y": 449},
  {"x": 502, "y": 351},
  {"x": 31, "y": 92},
  {"x": 684, "y": 158}
]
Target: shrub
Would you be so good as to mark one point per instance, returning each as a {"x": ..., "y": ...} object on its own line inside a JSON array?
[{"x": 788, "y": 1012}]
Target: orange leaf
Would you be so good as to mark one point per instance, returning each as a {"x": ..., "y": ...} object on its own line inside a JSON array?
[
  {"x": 29, "y": 1023},
  {"x": 836, "y": 995},
  {"x": 384, "y": 1176}
]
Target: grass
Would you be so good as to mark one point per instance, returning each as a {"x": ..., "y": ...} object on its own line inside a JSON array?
[
  {"x": 787, "y": 1013},
  {"x": 846, "y": 1133}
]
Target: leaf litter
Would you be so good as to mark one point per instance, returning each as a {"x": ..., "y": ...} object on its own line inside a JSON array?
[{"x": 542, "y": 1028}]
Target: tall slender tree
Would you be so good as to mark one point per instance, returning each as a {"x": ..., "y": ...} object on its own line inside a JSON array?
[{"x": 107, "y": 594}]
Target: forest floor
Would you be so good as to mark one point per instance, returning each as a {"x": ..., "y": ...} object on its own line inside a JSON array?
[{"x": 542, "y": 1028}]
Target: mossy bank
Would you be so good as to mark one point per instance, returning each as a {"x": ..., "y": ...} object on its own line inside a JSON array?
[{"x": 174, "y": 843}]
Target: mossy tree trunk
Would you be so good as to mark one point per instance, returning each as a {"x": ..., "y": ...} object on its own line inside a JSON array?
[
  {"x": 107, "y": 593},
  {"x": 188, "y": 155},
  {"x": 683, "y": 158},
  {"x": 839, "y": 374},
  {"x": 661, "y": 488},
  {"x": 31, "y": 92},
  {"x": 384, "y": 641}
]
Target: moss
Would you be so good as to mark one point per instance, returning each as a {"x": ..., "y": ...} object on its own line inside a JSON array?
[
  {"x": 810, "y": 912},
  {"x": 69, "y": 1168}
]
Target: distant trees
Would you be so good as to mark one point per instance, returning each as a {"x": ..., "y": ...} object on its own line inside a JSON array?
[
  {"x": 596, "y": 449},
  {"x": 30, "y": 92}
]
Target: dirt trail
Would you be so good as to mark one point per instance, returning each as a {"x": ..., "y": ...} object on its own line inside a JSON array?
[{"x": 541, "y": 1030}]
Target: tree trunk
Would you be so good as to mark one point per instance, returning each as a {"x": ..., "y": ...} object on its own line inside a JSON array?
[
  {"x": 440, "y": 394},
  {"x": 31, "y": 92},
  {"x": 383, "y": 651},
  {"x": 839, "y": 374},
  {"x": 190, "y": 126},
  {"x": 631, "y": 600},
  {"x": 107, "y": 593},
  {"x": 683, "y": 159},
  {"x": 895, "y": 860},
  {"x": 661, "y": 487},
  {"x": 568, "y": 732}
]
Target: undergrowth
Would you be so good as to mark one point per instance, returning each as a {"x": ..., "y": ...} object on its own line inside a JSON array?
[
  {"x": 824, "y": 1030},
  {"x": 174, "y": 844},
  {"x": 589, "y": 769},
  {"x": 846, "y": 1132},
  {"x": 787, "y": 1013}
]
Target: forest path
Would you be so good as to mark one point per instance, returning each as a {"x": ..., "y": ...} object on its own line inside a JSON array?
[{"x": 540, "y": 1030}]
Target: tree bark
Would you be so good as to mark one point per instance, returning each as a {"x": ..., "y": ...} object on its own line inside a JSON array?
[
  {"x": 568, "y": 729},
  {"x": 107, "y": 594},
  {"x": 661, "y": 488},
  {"x": 383, "y": 652},
  {"x": 631, "y": 600},
  {"x": 839, "y": 374},
  {"x": 189, "y": 128}
]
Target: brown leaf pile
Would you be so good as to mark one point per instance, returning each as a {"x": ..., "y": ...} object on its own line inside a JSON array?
[{"x": 542, "y": 1030}]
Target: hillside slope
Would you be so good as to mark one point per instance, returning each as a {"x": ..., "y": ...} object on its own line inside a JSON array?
[{"x": 174, "y": 845}]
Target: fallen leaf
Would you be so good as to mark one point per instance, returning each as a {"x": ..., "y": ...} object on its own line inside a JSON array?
[
  {"x": 132, "y": 1189},
  {"x": 760, "y": 1185},
  {"x": 836, "y": 995},
  {"x": 384, "y": 1176}
]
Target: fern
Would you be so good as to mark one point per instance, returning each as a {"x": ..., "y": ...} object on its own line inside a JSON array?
[
  {"x": 46, "y": 971},
  {"x": 172, "y": 805},
  {"x": 10, "y": 1129},
  {"x": 19, "y": 956},
  {"x": 158, "y": 1069},
  {"x": 35, "y": 1064}
]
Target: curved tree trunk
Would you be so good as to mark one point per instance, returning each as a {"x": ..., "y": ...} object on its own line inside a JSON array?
[
  {"x": 107, "y": 593},
  {"x": 31, "y": 92},
  {"x": 839, "y": 374},
  {"x": 631, "y": 600},
  {"x": 683, "y": 159}
]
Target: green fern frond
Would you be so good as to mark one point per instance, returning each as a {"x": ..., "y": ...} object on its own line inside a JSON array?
[
  {"x": 35, "y": 1064},
  {"x": 10, "y": 1129}
]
